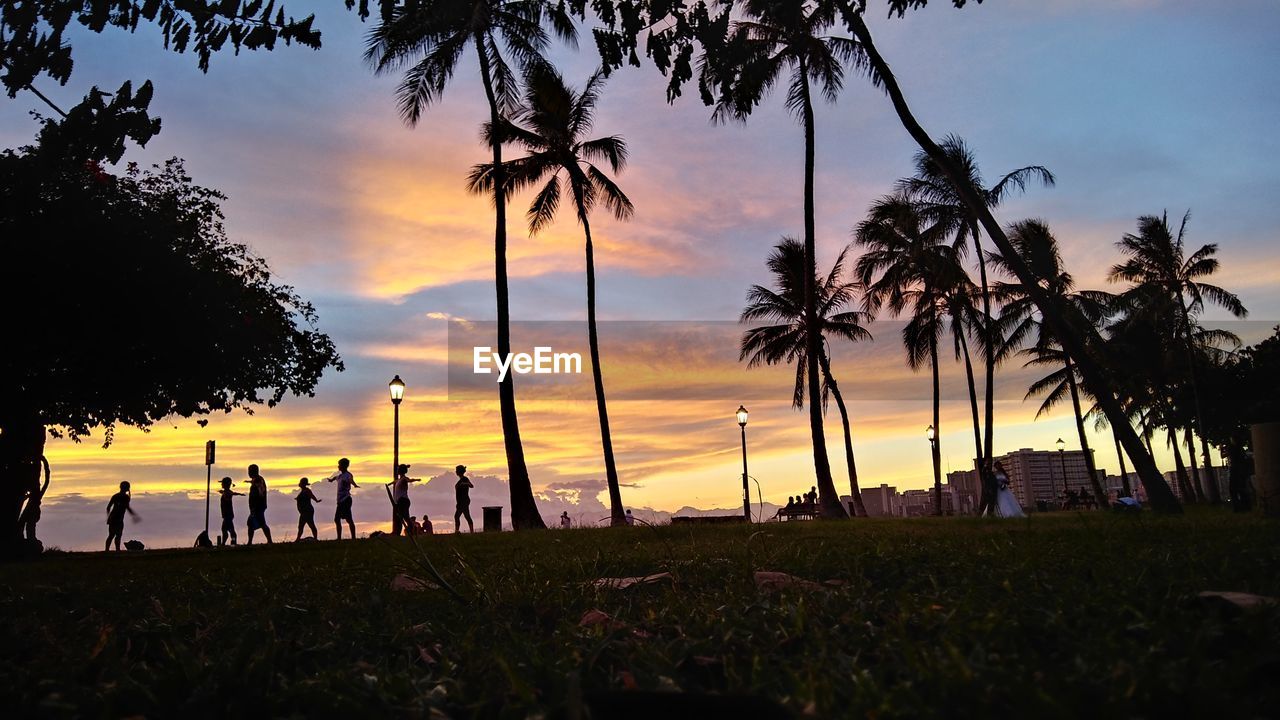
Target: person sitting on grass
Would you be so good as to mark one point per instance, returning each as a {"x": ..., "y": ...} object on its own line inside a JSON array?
[
  {"x": 116, "y": 508},
  {"x": 257, "y": 505},
  {"x": 1127, "y": 503},
  {"x": 565, "y": 522},
  {"x": 462, "y": 496},
  {"x": 306, "y": 511},
  {"x": 30, "y": 516},
  {"x": 345, "y": 481},
  {"x": 425, "y": 526},
  {"x": 630, "y": 518},
  {"x": 228, "y": 512}
]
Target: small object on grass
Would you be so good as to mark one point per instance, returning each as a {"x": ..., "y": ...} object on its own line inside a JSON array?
[
  {"x": 770, "y": 580},
  {"x": 612, "y": 583},
  {"x": 411, "y": 583},
  {"x": 135, "y": 546},
  {"x": 594, "y": 617},
  {"x": 1236, "y": 600}
]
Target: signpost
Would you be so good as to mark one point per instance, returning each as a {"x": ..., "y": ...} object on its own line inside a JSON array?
[{"x": 208, "y": 481}]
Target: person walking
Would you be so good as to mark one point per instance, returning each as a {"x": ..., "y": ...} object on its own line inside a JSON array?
[
  {"x": 462, "y": 496},
  {"x": 306, "y": 511},
  {"x": 257, "y": 505},
  {"x": 228, "y": 512},
  {"x": 116, "y": 508},
  {"x": 400, "y": 495},
  {"x": 345, "y": 481}
]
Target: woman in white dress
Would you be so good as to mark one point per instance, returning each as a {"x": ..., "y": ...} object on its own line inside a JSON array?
[{"x": 1006, "y": 504}]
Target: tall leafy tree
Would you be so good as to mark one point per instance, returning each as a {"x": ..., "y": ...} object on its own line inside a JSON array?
[
  {"x": 192, "y": 323},
  {"x": 1022, "y": 321},
  {"x": 551, "y": 126},
  {"x": 908, "y": 265},
  {"x": 427, "y": 40},
  {"x": 772, "y": 41},
  {"x": 1169, "y": 286},
  {"x": 934, "y": 188},
  {"x": 787, "y": 340}
]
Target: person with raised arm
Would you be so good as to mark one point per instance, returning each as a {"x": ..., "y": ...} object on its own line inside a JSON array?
[{"x": 345, "y": 481}]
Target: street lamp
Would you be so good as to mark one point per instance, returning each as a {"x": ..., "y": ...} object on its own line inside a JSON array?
[
  {"x": 396, "y": 387},
  {"x": 746, "y": 493},
  {"x": 1062, "y": 458}
]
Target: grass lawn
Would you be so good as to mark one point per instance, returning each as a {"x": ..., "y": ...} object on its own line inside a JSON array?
[{"x": 1089, "y": 615}]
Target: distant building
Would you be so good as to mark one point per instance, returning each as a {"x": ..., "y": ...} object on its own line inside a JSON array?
[
  {"x": 919, "y": 503},
  {"x": 881, "y": 501},
  {"x": 1218, "y": 473},
  {"x": 965, "y": 491},
  {"x": 1037, "y": 476}
]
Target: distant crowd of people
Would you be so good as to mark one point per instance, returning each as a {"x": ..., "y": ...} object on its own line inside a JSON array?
[
  {"x": 398, "y": 493},
  {"x": 802, "y": 503}
]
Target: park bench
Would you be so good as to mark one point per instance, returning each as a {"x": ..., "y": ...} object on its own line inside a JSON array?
[{"x": 798, "y": 512}]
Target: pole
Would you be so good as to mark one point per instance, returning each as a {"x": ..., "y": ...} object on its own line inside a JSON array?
[
  {"x": 395, "y": 453},
  {"x": 746, "y": 493},
  {"x": 208, "y": 481},
  {"x": 1062, "y": 456}
]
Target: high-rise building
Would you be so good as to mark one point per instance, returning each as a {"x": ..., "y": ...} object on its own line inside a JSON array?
[
  {"x": 881, "y": 501},
  {"x": 965, "y": 490},
  {"x": 1044, "y": 476}
]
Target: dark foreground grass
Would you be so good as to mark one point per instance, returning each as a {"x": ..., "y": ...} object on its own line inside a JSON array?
[{"x": 1070, "y": 616}]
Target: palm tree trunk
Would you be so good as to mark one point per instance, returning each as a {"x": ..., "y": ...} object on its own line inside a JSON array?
[
  {"x": 859, "y": 510},
  {"x": 617, "y": 514},
  {"x": 1124, "y": 473},
  {"x": 936, "y": 450},
  {"x": 1195, "y": 467},
  {"x": 524, "y": 509},
  {"x": 1214, "y": 496},
  {"x": 827, "y": 497},
  {"x": 1098, "y": 494},
  {"x": 1180, "y": 469},
  {"x": 979, "y": 457},
  {"x": 989, "y": 391},
  {"x": 1076, "y": 341}
]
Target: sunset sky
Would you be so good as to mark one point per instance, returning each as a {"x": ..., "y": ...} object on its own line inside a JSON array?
[{"x": 1136, "y": 105}]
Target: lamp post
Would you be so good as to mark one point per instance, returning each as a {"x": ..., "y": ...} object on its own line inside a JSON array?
[
  {"x": 396, "y": 386},
  {"x": 746, "y": 493},
  {"x": 1062, "y": 458}
]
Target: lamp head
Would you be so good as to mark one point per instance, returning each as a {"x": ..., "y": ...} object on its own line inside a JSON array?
[
  {"x": 1062, "y": 445},
  {"x": 396, "y": 386},
  {"x": 931, "y": 433},
  {"x": 742, "y": 416}
]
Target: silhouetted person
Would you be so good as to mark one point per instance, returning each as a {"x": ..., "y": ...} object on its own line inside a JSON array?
[
  {"x": 31, "y": 512},
  {"x": 425, "y": 528},
  {"x": 228, "y": 512},
  {"x": 257, "y": 505},
  {"x": 791, "y": 503},
  {"x": 1238, "y": 474},
  {"x": 630, "y": 520},
  {"x": 306, "y": 511},
  {"x": 462, "y": 496},
  {"x": 812, "y": 497},
  {"x": 345, "y": 481},
  {"x": 117, "y": 506},
  {"x": 565, "y": 522},
  {"x": 400, "y": 494}
]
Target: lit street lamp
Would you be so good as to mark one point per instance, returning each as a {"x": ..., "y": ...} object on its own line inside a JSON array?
[
  {"x": 396, "y": 386},
  {"x": 1062, "y": 458},
  {"x": 746, "y": 494}
]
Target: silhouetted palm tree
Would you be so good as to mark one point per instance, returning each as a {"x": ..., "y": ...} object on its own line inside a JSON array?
[
  {"x": 772, "y": 39},
  {"x": 907, "y": 265},
  {"x": 934, "y": 188},
  {"x": 429, "y": 39},
  {"x": 1169, "y": 287},
  {"x": 787, "y": 341},
  {"x": 968, "y": 320},
  {"x": 550, "y": 126},
  {"x": 1021, "y": 321},
  {"x": 1081, "y": 342}
]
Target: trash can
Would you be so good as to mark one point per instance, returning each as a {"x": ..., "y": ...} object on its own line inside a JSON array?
[{"x": 493, "y": 518}]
